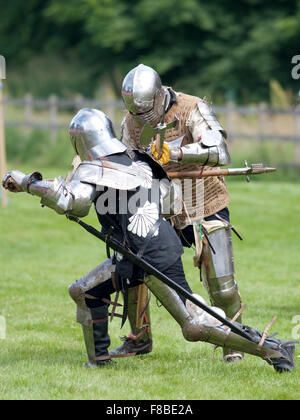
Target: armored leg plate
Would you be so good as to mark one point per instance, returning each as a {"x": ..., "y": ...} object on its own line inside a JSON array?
[
  {"x": 218, "y": 272},
  {"x": 200, "y": 326},
  {"x": 95, "y": 333},
  {"x": 96, "y": 337},
  {"x": 77, "y": 289},
  {"x": 139, "y": 340},
  {"x": 218, "y": 277}
]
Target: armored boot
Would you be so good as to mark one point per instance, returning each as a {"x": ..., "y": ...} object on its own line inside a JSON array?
[
  {"x": 217, "y": 272},
  {"x": 200, "y": 326},
  {"x": 139, "y": 341},
  {"x": 96, "y": 338},
  {"x": 94, "y": 321}
]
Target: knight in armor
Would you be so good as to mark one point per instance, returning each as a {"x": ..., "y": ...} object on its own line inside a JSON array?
[
  {"x": 133, "y": 217},
  {"x": 196, "y": 142}
]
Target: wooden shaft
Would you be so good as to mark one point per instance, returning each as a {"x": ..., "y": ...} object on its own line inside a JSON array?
[
  {"x": 198, "y": 174},
  {"x": 2, "y": 146}
]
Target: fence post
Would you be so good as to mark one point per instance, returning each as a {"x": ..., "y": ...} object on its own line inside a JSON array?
[
  {"x": 78, "y": 102},
  {"x": 262, "y": 119},
  {"x": 53, "y": 118},
  {"x": 2, "y": 145},
  {"x": 230, "y": 119},
  {"x": 28, "y": 112},
  {"x": 297, "y": 135},
  {"x": 110, "y": 98}
]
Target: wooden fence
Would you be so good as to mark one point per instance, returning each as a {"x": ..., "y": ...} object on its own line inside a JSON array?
[
  {"x": 242, "y": 123},
  {"x": 261, "y": 127}
]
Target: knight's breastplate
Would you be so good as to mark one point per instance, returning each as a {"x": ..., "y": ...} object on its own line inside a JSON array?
[{"x": 202, "y": 197}]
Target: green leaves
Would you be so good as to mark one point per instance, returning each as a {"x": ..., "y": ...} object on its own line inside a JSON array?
[{"x": 205, "y": 47}]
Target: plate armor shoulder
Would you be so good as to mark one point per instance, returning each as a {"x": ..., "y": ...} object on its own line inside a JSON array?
[
  {"x": 209, "y": 116},
  {"x": 110, "y": 174}
]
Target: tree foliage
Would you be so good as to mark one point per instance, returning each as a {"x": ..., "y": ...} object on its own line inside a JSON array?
[{"x": 213, "y": 48}]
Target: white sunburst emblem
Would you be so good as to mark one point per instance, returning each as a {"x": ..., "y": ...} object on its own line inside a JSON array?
[
  {"x": 146, "y": 173},
  {"x": 141, "y": 222}
]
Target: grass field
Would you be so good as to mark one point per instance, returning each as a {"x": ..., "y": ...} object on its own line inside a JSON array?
[{"x": 43, "y": 354}]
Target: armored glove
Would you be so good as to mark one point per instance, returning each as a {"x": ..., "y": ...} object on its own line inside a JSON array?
[
  {"x": 165, "y": 153},
  {"x": 16, "y": 181}
]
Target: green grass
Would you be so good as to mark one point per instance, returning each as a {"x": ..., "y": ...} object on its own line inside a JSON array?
[{"x": 43, "y": 354}]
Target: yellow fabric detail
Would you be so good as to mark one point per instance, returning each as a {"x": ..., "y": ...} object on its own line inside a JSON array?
[{"x": 165, "y": 153}]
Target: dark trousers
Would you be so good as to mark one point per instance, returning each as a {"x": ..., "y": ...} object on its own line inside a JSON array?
[{"x": 104, "y": 290}]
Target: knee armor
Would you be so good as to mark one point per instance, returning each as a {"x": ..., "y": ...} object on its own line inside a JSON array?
[
  {"x": 77, "y": 289},
  {"x": 217, "y": 272}
]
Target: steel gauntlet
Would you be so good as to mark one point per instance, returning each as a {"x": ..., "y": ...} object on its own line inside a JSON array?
[
  {"x": 17, "y": 181},
  {"x": 211, "y": 151}
]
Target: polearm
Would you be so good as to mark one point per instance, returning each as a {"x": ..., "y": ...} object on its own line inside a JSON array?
[
  {"x": 117, "y": 246},
  {"x": 254, "y": 169}
]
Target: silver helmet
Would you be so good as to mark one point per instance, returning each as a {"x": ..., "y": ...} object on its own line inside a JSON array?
[
  {"x": 92, "y": 135},
  {"x": 143, "y": 94}
]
